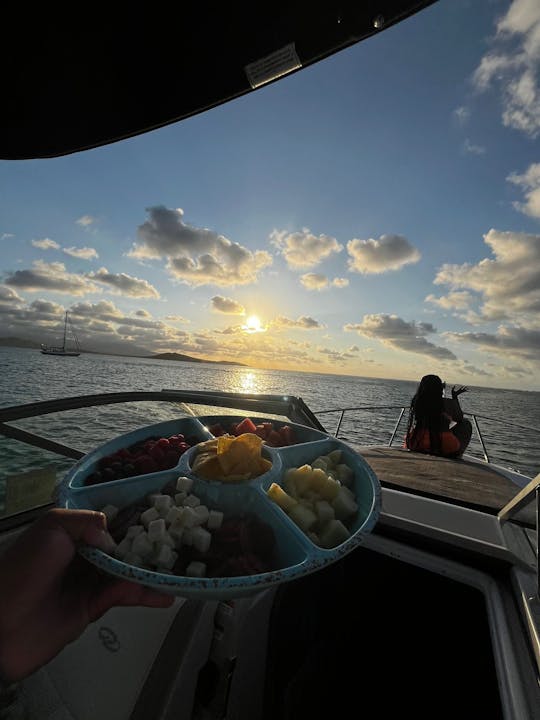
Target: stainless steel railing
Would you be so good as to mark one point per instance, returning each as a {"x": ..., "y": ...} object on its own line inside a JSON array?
[{"x": 401, "y": 408}]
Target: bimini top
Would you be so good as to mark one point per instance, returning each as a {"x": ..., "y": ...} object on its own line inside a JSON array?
[{"x": 73, "y": 80}]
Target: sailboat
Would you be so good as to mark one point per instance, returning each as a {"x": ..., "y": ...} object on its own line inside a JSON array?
[{"x": 62, "y": 349}]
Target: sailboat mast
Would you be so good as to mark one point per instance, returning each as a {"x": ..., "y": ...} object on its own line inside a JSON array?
[{"x": 65, "y": 331}]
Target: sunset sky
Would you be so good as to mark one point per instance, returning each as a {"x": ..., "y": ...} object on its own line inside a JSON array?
[{"x": 375, "y": 214}]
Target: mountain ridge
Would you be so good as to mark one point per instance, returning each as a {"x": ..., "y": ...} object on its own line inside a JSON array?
[{"x": 178, "y": 357}]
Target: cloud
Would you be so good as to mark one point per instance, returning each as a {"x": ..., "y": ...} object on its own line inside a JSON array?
[
  {"x": 337, "y": 356},
  {"x": 389, "y": 252},
  {"x": 6, "y": 236},
  {"x": 53, "y": 277},
  {"x": 399, "y": 334},
  {"x": 84, "y": 253},
  {"x": 103, "y": 310},
  {"x": 228, "y": 306},
  {"x": 122, "y": 284},
  {"x": 85, "y": 221},
  {"x": 22, "y": 320},
  {"x": 302, "y": 323},
  {"x": 530, "y": 183},
  {"x": 515, "y": 341},
  {"x": 177, "y": 319},
  {"x": 196, "y": 256},
  {"x": 468, "y": 147},
  {"x": 508, "y": 283},
  {"x": 304, "y": 249},
  {"x": 462, "y": 115},
  {"x": 513, "y": 64},
  {"x": 46, "y": 244},
  {"x": 458, "y": 300},
  {"x": 316, "y": 281},
  {"x": 9, "y": 297}
]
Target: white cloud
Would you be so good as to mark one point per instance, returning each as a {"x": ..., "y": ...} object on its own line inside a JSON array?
[
  {"x": 530, "y": 183},
  {"x": 316, "y": 281},
  {"x": 513, "y": 65},
  {"x": 389, "y": 252},
  {"x": 472, "y": 149},
  {"x": 462, "y": 114},
  {"x": 304, "y": 249},
  {"x": 46, "y": 244},
  {"x": 85, "y": 221},
  {"x": 122, "y": 284},
  {"x": 9, "y": 297},
  {"x": 177, "y": 319},
  {"x": 84, "y": 253},
  {"x": 196, "y": 256},
  {"x": 508, "y": 283},
  {"x": 396, "y": 333},
  {"x": 228, "y": 306},
  {"x": 509, "y": 341},
  {"x": 458, "y": 300},
  {"x": 51, "y": 276},
  {"x": 302, "y": 323}
]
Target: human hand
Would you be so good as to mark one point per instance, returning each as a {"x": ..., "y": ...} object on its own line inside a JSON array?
[
  {"x": 49, "y": 593},
  {"x": 458, "y": 391}
]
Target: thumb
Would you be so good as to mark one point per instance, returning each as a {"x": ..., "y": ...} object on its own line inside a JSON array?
[{"x": 80, "y": 526}]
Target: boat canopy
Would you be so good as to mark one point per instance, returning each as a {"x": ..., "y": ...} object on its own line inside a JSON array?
[{"x": 75, "y": 80}]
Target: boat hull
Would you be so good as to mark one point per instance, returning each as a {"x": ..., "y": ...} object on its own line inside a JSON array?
[{"x": 60, "y": 352}]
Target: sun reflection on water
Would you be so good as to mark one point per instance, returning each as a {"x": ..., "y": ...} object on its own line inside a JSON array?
[{"x": 248, "y": 383}]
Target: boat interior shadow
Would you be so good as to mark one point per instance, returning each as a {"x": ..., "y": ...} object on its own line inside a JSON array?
[{"x": 373, "y": 631}]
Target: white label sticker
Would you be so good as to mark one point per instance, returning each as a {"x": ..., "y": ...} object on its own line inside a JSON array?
[
  {"x": 29, "y": 489},
  {"x": 272, "y": 66}
]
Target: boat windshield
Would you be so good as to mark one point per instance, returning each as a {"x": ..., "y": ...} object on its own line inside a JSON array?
[{"x": 333, "y": 236}]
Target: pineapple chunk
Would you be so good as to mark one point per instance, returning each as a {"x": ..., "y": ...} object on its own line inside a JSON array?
[
  {"x": 318, "y": 479},
  {"x": 303, "y": 478},
  {"x": 345, "y": 474},
  {"x": 321, "y": 462},
  {"x": 325, "y": 512},
  {"x": 330, "y": 489},
  {"x": 279, "y": 496},
  {"x": 344, "y": 504},
  {"x": 289, "y": 482},
  {"x": 335, "y": 456},
  {"x": 303, "y": 517},
  {"x": 334, "y": 534}
]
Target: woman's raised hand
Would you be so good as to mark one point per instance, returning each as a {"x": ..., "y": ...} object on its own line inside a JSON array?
[{"x": 458, "y": 391}]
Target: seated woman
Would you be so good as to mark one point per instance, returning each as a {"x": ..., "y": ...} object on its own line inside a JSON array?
[{"x": 430, "y": 429}]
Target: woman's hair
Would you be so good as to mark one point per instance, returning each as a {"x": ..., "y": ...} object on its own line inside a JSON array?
[{"x": 426, "y": 410}]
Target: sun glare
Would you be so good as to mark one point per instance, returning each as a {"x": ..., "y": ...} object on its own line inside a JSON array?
[{"x": 253, "y": 324}]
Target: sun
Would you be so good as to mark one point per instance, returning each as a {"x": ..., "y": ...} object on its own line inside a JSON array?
[{"x": 253, "y": 324}]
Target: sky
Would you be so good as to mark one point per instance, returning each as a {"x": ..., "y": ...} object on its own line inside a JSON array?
[{"x": 375, "y": 214}]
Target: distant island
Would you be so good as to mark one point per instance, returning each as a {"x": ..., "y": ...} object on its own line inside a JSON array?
[
  {"x": 188, "y": 358},
  {"x": 137, "y": 352}
]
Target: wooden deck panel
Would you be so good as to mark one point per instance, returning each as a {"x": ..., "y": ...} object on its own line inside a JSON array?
[{"x": 468, "y": 483}]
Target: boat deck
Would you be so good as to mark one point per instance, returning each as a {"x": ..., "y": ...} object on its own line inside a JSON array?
[{"x": 467, "y": 483}]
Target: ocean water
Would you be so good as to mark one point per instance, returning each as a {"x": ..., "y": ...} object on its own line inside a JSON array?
[{"x": 508, "y": 419}]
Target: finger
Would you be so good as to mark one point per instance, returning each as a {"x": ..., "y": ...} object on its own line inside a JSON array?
[
  {"x": 81, "y": 526},
  {"x": 125, "y": 593}
]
